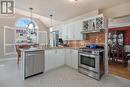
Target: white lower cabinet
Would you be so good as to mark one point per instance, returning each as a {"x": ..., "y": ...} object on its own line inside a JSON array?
[
  {"x": 49, "y": 60},
  {"x": 68, "y": 58},
  {"x": 58, "y": 57},
  {"x": 54, "y": 58},
  {"x": 71, "y": 58},
  {"x": 74, "y": 59}
]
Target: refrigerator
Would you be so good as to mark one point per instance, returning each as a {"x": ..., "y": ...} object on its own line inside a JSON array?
[{"x": 54, "y": 38}]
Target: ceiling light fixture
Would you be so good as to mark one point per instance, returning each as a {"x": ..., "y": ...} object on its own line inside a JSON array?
[
  {"x": 31, "y": 25},
  {"x": 73, "y": 0},
  {"x": 51, "y": 23}
]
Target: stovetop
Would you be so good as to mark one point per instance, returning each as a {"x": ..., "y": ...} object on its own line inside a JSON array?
[{"x": 88, "y": 49}]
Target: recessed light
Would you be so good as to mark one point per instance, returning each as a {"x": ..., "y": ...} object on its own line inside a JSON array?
[{"x": 73, "y": 0}]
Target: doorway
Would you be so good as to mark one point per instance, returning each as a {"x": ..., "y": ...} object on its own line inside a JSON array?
[{"x": 119, "y": 46}]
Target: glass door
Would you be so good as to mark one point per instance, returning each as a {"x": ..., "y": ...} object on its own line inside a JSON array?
[{"x": 87, "y": 61}]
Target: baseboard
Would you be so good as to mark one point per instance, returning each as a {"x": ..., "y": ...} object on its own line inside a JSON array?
[{"x": 7, "y": 59}]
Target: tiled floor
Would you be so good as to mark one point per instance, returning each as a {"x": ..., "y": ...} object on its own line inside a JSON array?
[{"x": 62, "y": 77}]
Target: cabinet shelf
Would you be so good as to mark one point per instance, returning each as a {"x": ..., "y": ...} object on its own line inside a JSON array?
[{"x": 93, "y": 31}]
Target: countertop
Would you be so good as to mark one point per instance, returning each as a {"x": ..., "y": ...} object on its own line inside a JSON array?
[
  {"x": 32, "y": 49},
  {"x": 48, "y": 48},
  {"x": 53, "y": 48}
]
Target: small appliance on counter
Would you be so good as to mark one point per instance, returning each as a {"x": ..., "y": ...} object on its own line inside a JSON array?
[
  {"x": 60, "y": 42},
  {"x": 91, "y": 61}
]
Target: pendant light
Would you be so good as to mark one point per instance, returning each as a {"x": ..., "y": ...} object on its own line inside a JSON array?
[
  {"x": 51, "y": 29},
  {"x": 31, "y": 25}
]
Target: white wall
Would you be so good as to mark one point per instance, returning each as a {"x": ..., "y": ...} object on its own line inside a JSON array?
[
  {"x": 11, "y": 22},
  {"x": 84, "y": 16},
  {"x": 117, "y": 11}
]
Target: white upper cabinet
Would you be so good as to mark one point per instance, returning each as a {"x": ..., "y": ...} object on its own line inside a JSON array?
[
  {"x": 94, "y": 24},
  {"x": 71, "y": 31},
  {"x": 63, "y": 32},
  {"x": 77, "y": 30}
]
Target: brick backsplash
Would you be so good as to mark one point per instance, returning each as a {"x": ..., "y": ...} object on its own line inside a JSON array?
[{"x": 98, "y": 38}]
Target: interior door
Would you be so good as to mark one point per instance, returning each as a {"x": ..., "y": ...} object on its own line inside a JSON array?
[
  {"x": 42, "y": 38},
  {"x": 9, "y": 40}
]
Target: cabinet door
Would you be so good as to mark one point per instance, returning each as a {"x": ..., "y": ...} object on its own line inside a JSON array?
[
  {"x": 49, "y": 60},
  {"x": 60, "y": 31},
  {"x": 77, "y": 30},
  {"x": 60, "y": 57},
  {"x": 74, "y": 59},
  {"x": 38, "y": 62},
  {"x": 63, "y": 31},
  {"x": 70, "y": 30},
  {"x": 29, "y": 66},
  {"x": 68, "y": 57}
]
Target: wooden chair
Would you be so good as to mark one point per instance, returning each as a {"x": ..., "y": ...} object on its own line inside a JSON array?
[
  {"x": 118, "y": 54},
  {"x": 18, "y": 53},
  {"x": 110, "y": 53},
  {"x": 18, "y": 47},
  {"x": 127, "y": 55}
]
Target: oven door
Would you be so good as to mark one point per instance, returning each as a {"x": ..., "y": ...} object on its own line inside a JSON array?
[{"x": 89, "y": 61}]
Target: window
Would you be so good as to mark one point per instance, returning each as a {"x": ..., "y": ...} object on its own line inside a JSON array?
[{"x": 26, "y": 31}]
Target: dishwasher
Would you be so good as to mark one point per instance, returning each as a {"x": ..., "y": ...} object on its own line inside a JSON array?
[{"x": 33, "y": 63}]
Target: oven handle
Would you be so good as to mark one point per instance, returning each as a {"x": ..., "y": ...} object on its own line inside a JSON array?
[
  {"x": 90, "y": 55},
  {"x": 84, "y": 54}
]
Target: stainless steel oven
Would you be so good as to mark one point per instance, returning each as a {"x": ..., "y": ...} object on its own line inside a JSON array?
[{"x": 89, "y": 61}]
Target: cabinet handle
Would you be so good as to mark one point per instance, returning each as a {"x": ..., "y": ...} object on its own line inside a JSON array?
[{"x": 32, "y": 54}]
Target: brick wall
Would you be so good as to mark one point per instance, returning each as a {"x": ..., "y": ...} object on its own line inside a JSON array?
[{"x": 98, "y": 38}]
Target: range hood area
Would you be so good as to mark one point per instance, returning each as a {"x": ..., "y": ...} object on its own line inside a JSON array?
[{"x": 94, "y": 24}]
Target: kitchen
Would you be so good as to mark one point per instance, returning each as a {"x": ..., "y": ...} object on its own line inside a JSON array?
[{"x": 79, "y": 44}]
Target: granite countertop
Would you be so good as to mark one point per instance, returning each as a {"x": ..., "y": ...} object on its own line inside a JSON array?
[
  {"x": 48, "y": 48},
  {"x": 53, "y": 48},
  {"x": 31, "y": 49}
]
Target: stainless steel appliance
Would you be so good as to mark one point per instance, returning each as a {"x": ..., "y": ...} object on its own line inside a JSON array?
[
  {"x": 91, "y": 62},
  {"x": 32, "y": 62},
  {"x": 54, "y": 38}
]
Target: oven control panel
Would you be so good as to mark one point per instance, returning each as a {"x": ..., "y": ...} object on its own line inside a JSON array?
[{"x": 95, "y": 52}]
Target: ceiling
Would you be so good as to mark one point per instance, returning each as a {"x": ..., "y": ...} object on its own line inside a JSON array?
[{"x": 64, "y": 9}]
